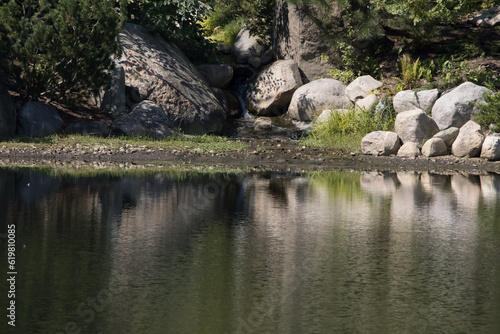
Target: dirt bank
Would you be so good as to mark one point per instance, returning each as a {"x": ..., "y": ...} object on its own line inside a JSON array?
[{"x": 261, "y": 154}]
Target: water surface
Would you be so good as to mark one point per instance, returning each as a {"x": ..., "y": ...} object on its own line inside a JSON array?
[{"x": 336, "y": 252}]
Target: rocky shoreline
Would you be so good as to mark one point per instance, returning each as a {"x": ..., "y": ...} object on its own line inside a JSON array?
[{"x": 272, "y": 155}]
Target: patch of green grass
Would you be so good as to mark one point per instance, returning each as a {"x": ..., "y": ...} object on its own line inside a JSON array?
[
  {"x": 192, "y": 144},
  {"x": 343, "y": 130},
  {"x": 228, "y": 33}
]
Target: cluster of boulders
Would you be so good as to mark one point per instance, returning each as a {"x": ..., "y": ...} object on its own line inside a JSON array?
[
  {"x": 449, "y": 129},
  {"x": 279, "y": 89}
]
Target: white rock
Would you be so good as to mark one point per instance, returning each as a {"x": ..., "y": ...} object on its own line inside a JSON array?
[
  {"x": 469, "y": 141},
  {"x": 454, "y": 108},
  {"x": 366, "y": 103},
  {"x": 434, "y": 147},
  {"x": 380, "y": 143},
  {"x": 415, "y": 126},
  {"x": 449, "y": 135},
  {"x": 427, "y": 98},
  {"x": 409, "y": 150},
  {"x": 404, "y": 101},
  {"x": 361, "y": 87},
  {"x": 491, "y": 148},
  {"x": 316, "y": 95},
  {"x": 409, "y": 100}
]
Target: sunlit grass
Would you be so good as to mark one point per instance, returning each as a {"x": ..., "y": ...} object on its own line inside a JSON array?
[
  {"x": 343, "y": 130},
  {"x": 193, "y": 144}
]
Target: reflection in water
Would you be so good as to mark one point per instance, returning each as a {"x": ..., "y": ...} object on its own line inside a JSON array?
[{"x": 335, "y": 252}]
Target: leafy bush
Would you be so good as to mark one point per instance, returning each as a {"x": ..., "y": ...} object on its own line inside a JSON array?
[
  {"x": 175, "y": 20},
  {"x": 58, "y": 49},
  {"x": 490, "y": 112},
  {"x": 227, "y": 16}
]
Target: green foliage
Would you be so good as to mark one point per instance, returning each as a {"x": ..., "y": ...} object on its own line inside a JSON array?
[
  {"x": 58, "y": 49},
  {"x": 425, "y": 11},
  {"x": 226, "y": 34},
  {"x": 448, "y": 72},
  {"x": 349, "y": 24},
  {"x": 489, "y": 114},
  {"x": 175, "y": 20},
  {"x": 411, "y": 71},
  {"x": 227, "y": 15}
]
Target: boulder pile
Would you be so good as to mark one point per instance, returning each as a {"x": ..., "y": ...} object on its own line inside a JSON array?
[{"x": 449, "y": 129}]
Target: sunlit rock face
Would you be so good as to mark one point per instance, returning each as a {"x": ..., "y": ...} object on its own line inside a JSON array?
[{"x": 163, "y": 74}]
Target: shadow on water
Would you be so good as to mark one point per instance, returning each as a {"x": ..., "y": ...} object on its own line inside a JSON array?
[{"x": 160, "y": 252}]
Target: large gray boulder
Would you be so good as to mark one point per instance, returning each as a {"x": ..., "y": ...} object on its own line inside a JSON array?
[
  {"x": 114, "y": 99},
  {"x": 271, "y": 91},
  {"x": 410, "y": 100},
  {"x": 37, "y": 119},
  {"x": 415, "y": 126},
  {"x": 380, "y": 143},
  {"x": 434, "y": 147},
  {"x": 315, "y": 96},
  {"x": 469, "y": 141},
  {"x": 216, "y": 75},
  {"x": 164, "y": 75},
  {"x": 248, "y": 48},
  {"x": 296, "y": 36},
  {"x": 491, "y": 148},
  {"x": 146, "y": 119},
  {"x": 7, "y": 114},
  {"x": 455, "y": 108},
  {"x": 361, "y": 87}
]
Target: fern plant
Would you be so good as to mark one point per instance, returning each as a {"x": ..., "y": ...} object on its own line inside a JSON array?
[{"x": 411, "y": 71}]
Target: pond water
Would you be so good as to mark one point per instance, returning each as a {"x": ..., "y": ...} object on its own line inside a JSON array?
[{"x": 184, "y": 252}]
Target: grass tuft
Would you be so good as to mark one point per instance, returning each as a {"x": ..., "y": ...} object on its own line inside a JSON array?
[{"x": 343, "y": 130}]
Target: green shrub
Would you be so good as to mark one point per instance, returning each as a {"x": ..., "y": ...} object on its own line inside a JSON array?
[
  {"x": 58, "y": 49},
  {"x": 175, "y": 20},
  {"x": 489, "y": 114},
  {"x": 229, "y": 15}
]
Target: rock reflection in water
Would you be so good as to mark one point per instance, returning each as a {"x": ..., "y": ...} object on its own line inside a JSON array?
[{"x": 256, "y": 253}]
